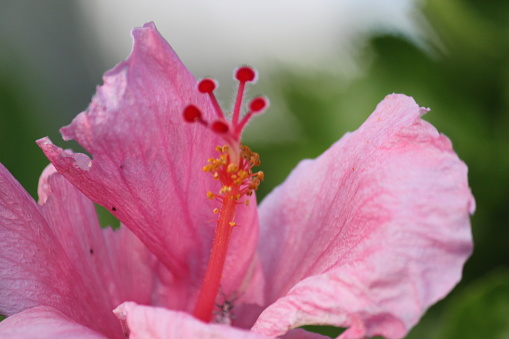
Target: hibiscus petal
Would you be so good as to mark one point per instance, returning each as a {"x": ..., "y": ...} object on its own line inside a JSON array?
[
  {"x": 115, "y": 260},
  {"x": 371, "y": 233},
  {"x": 147, "y": 164},
  {"x": 153, "y": 322},
  {"x": 57, "y": 255},
  {"x": 44, "y": 323}
]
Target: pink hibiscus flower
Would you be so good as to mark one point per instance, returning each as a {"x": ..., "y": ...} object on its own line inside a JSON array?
[{"x": 367, "y": 236}]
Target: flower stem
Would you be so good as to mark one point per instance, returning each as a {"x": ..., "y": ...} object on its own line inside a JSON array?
[{"x": 210, "y": 287}]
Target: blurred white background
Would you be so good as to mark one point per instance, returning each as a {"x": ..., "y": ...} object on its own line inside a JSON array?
[
  {"x": 214, "y": 36},
  {"x": 53, "y": 53}
]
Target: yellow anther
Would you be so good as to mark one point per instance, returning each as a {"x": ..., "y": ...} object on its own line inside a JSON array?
[
  {"x": 232, "y": 223},
  {"x": 255, "y": 160},
  {"x": 232, "y": 168},
  {"x": 242, "y": 174},
  {"x": 216, "y": 211},
  {"x": 260, "y": 175},
  {"x": 246, "y": 202},
  {"x": 237, "y": 179},
  {"x": 225, "y": 189},
  {"x": 254, "y": 184}
]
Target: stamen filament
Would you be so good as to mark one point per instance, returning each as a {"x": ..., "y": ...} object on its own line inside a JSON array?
[{"x": 210, "y": 287}]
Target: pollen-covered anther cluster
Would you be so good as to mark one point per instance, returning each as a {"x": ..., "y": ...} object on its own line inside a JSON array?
[{"x": 237, "y": 179}]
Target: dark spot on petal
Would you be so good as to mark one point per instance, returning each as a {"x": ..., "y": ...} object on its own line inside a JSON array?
[
  {"x": 91, "y": 251},
  {"x": 113, "y": 208}
]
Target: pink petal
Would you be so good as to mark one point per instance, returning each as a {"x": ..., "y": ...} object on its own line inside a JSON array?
[
  {"x": 44, "y": 323},
  {"x": 147, "y": 322},
  {"x": 147, "y": 164},
  {"x": 371, "y": 233},
  {"x": 114, "y": 259},
  {"x": 57, "y": 255}
]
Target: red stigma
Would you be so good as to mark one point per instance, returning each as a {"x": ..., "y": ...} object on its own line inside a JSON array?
[
  {"x": 258, "y": 104},
  {"x": 230, "y": 128},
  {"x": 245, "y": 74},
  {"x": 192, "y": 113},
  {"x": 220, "y": 127},
  {"x": 206, "y": 86}
]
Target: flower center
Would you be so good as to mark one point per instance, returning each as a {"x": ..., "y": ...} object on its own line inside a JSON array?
[
  {"x": 237, "y": 179},
  {"x": 233, "y": 169}
]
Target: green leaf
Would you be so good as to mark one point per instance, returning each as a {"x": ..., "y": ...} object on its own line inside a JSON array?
[
  {"x": 481, "y": 310},
  {"x": 106, "y": 219},
  {"x": 329, "y": 331}
]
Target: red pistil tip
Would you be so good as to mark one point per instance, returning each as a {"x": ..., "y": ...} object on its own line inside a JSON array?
[
  {"x": 207, "y": 85},
  {"x": 192, "y": 113},
  {"x": 258, "y": 104},
  {"x": 229, "y": 129},
  {"x": 220, "y": 127},
  {"x": 245, "y": 74}
]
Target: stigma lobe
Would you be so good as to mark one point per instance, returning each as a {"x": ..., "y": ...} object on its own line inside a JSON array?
[{"x": 229, "y": 129}]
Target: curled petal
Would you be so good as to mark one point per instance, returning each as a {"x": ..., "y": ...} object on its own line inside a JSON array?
[
  {"x": 383, "y": 216},
  {"x": 145, "y": 322},
  {"x": 147, "y": 164},
  {"x": 44, "y": 323}
]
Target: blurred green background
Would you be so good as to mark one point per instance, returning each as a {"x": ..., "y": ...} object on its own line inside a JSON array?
[{"x": 463, "y": 77}]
